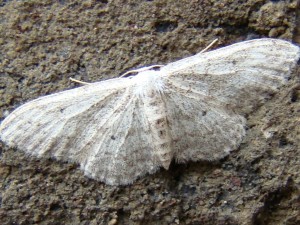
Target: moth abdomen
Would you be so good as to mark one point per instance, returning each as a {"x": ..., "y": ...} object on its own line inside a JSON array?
[{"x": 155, "y": 113}]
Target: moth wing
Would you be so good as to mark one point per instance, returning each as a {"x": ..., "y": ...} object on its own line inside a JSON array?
[
  {"x": 206, "y": 94},
  {"x": 241, "y": 76},
  {"x": 201, "y": 130},
  {"x": 98, "y": 126},
  {"x": 126, "y": 151}
]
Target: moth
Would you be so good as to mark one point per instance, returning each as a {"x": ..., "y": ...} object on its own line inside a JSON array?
[{"x": 189, "y": 110}]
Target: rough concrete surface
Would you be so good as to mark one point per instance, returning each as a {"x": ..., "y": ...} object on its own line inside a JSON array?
[{"x": 44, "y": 43}]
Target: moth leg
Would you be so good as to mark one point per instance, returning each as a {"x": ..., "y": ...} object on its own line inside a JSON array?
[
  {"x": 140, "y": 70},
  {"x": 78, "y": 81}
]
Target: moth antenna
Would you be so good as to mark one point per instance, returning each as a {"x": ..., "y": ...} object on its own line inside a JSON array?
[
  {"x": 209, "y": 46},
  {"x": 78, "y": 81}
]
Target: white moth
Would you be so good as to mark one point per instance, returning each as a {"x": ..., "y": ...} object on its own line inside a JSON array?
[{"x": 123, "y": 128}]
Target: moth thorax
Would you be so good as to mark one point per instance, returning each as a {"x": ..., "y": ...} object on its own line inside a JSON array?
[{"x": 155, "y": 111}]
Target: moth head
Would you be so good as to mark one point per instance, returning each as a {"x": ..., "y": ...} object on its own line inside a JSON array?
[{"x": 147, "y": 82}]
